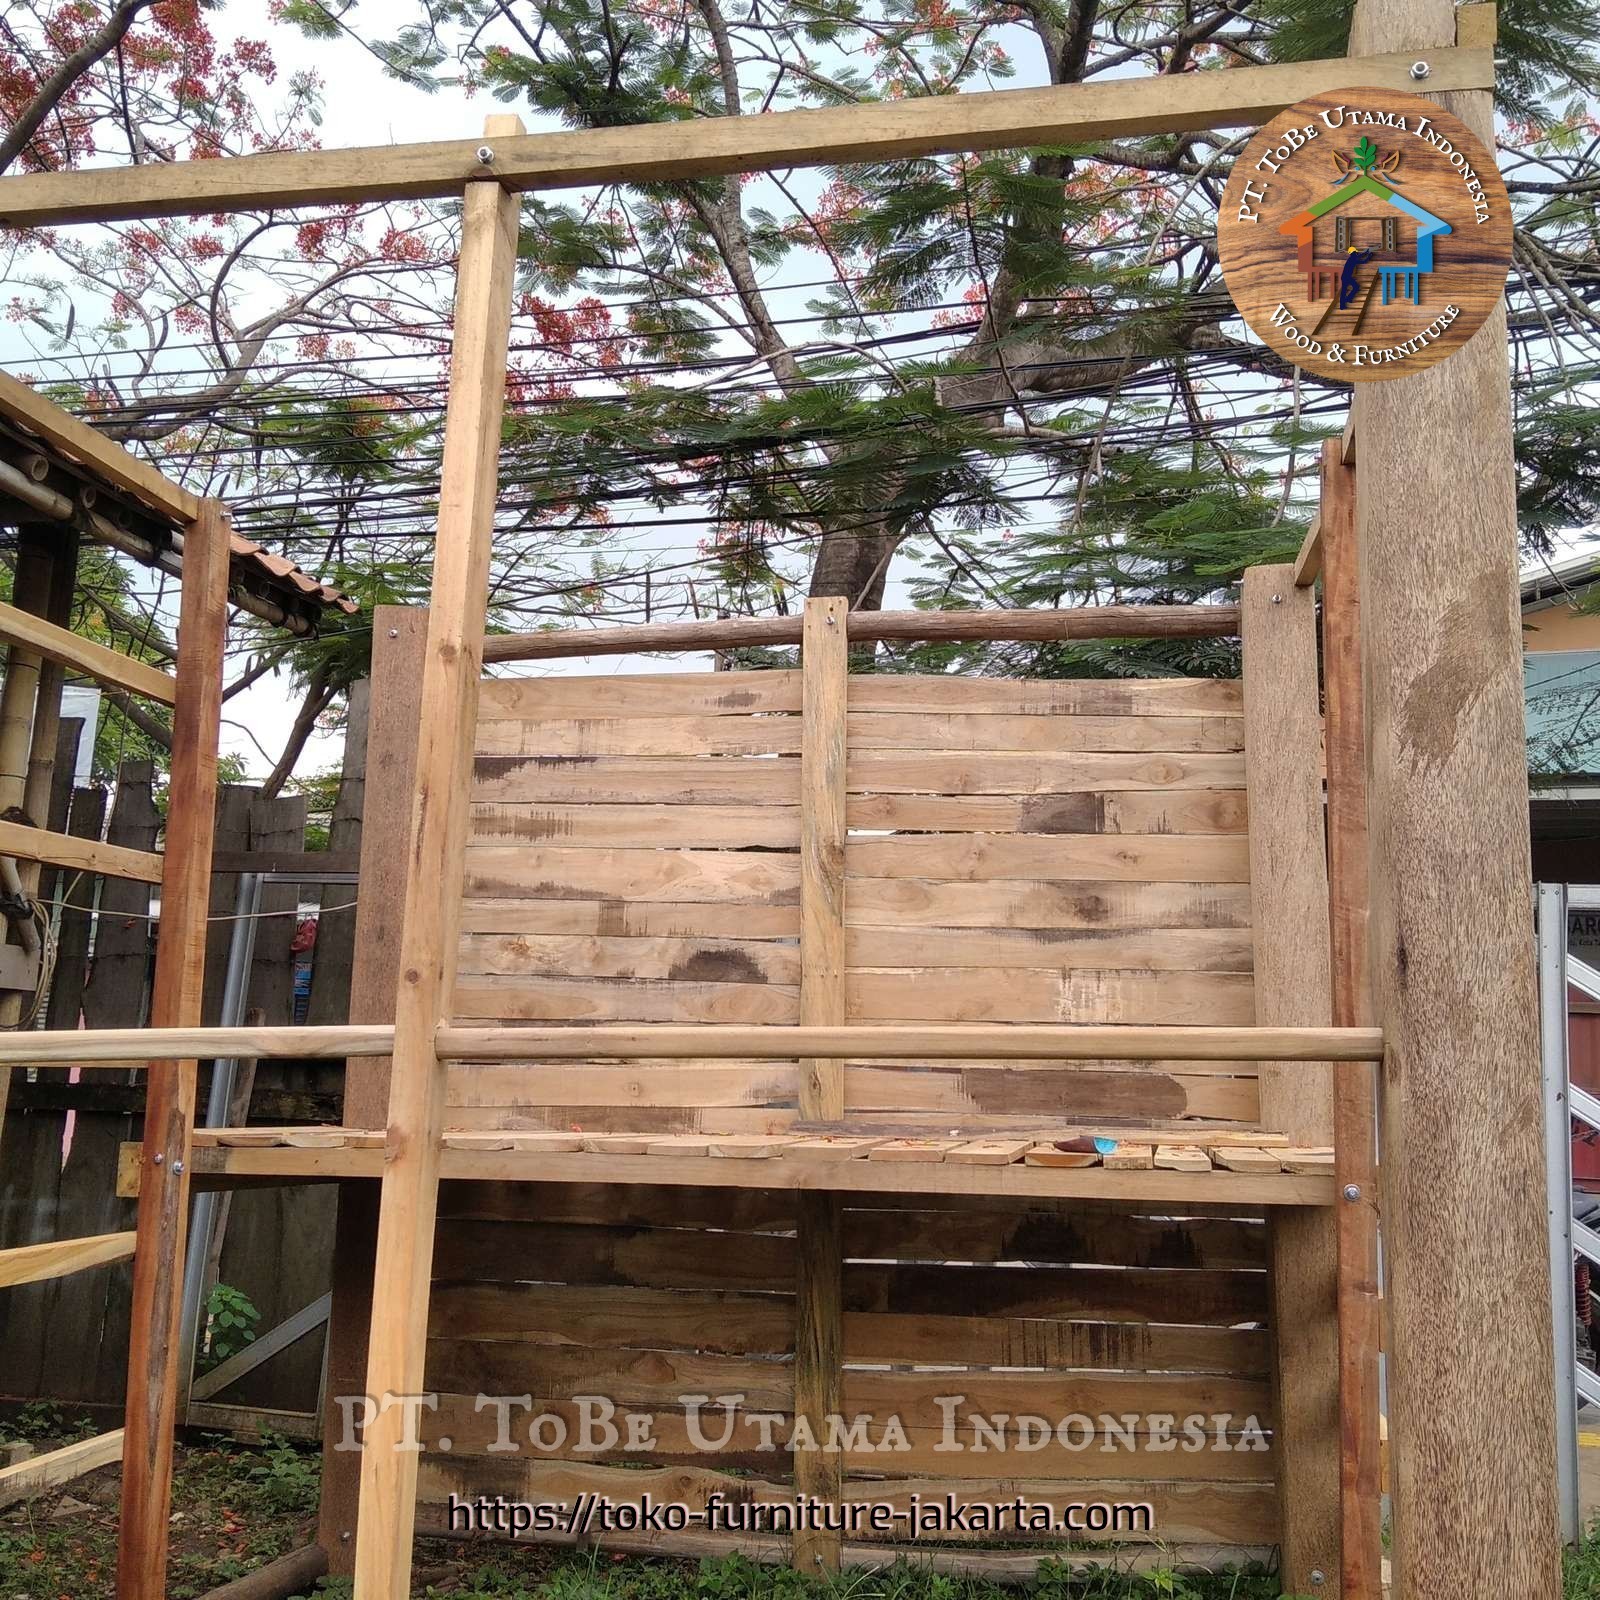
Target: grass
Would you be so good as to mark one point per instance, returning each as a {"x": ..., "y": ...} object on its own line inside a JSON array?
[{"x": 239, "y": 1506}]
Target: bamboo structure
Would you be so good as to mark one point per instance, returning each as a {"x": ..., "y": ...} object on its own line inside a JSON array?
[{"x": 837, "y": 997}]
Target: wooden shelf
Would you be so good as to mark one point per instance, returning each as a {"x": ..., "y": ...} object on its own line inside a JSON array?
[{"x": 1216, "y": 1169}]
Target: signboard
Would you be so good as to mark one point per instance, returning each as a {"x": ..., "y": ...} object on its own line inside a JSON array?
[{"x": 1365, "y": 234}]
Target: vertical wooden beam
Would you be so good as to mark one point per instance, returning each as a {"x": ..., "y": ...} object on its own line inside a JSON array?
[
  {"x": 824, "y": 662},
  {"x": 819, "y": 1330},
  {"x": 1289, "y": 915},
  {"x": 451, "y": 669},
  {"x": 1355, "y": 1086},
  {"x": 399, "y": 640},
  {"x": 1471, "y": 1365},
  {"x": 153, "y": 1352}
]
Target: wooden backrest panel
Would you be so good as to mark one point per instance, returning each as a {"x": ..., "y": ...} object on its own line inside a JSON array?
[{"x": 1018, "y": 851}]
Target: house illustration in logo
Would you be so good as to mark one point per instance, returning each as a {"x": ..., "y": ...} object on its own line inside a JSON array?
[{"x": 1370, "y": 219}]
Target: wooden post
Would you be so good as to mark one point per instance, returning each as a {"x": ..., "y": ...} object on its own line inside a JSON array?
[
  {"x": 399, "y": 637},
  {"x": 819, "y": 1326},
  {"x": 1289, "y": 915},
  {"x": 1355, "y": 1088},
  {"x": 1471, "y": 1366},
  {"x": 153, "y": 1352},
  {"x": 450, "y": 673}
]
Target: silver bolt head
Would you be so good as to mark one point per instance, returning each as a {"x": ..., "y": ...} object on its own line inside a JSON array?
[
  {"x": 1318, "y": 1575},
  {"x": 486, "y": 151},
  {"x": 177, "y": 1167},
  {"x": 1352, "y": 1192},
  {"x": 1420, "y": 70},
  {"x": 157, "y": 1158},
  {"x": 1277, "y": 599}
]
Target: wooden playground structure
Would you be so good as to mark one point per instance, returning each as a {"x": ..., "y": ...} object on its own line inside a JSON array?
[{"x": 813, "y": 973}]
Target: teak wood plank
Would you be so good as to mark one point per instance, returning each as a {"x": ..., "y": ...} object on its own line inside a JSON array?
[
  {"x": 85, "y": 656},
  {"x": 153, "y": 1351},
  {"x": 990, "y": 1152},
  {"x": 819, "y": 1297},
  {"x": 72, "y": 854},
  {"x": 1128, "y": 1157},
  {"x": 58, "y": 1258},
  {"x": 949, "y": 1042},
  {"x": 1181, "y": 1158},
  {"x": 1094, "y": 905},
  {"x": 1355, "y": 1094},
  {"x": 1021, "y": 623},
  {"x": 1189, "y": 811},
  {"x": 1152, "y": 858},
  {"x": 1283, "y": 751},
  {"x": 663, "y": 152},
  {"x": 653, "y": 694},
  {"x": 1081, "y": 772},
  {"x": 958, "y": 730},
  {"x": 1245, "y": 1158},
  {"x": 450, "y": 677},
  {"x": 913, "y": 1178},
  {"x": 640, "y": 736}
]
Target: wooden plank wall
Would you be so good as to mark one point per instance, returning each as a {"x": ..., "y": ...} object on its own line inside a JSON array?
[
  {"x": 1016, "y": 851},
  {"x": 67, "y": 1340}
]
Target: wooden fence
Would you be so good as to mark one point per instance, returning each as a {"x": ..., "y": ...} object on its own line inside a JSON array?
[{"x": 67, "y": 1340}]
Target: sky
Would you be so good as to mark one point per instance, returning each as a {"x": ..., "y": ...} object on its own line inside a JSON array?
[{"x": 363, "y": 106}]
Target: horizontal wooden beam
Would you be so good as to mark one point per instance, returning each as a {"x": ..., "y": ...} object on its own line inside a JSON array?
[
  {"x": 659, "y": 152},
  {"x": 40, "y": 1473},
  {"x": 726, "y": 1041},
  {"x": 60, "y": 1258},
  {"x": 106, "y": 459},
  {"x": 133, "y": 1047},
  {"x": 73, "y": 854},
  {"x": 1308, "y": 564},
  {"x": 227, "y": 1167},
  {"x": 732, "y": 633},
  {"x": 84, "y": 655},
  {"x": 911, "y": 1041}
]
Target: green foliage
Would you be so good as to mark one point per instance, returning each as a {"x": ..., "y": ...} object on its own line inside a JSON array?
[
  {"x": 231, "y": 1319},
  {"x": 39, "y": 1420},
  {"x": 287, "y": 1475}
]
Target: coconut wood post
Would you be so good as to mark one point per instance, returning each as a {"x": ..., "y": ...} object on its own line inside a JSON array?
[
  {"x": 451, "y": 669},
  {"x": 1471, "y": 1395},
  {"x": 153, "y": 1352},
  {"x": 1289, "y": 916},
  {"x": 819, "y": 1336}
]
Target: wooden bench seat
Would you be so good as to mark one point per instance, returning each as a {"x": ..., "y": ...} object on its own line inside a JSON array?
[{"x": 1170, "y": 1163}]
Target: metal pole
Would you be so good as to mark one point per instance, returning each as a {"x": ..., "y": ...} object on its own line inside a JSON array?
[
  {"x": 1558, "y": 1178},
  {"x": 235, "y": 990}
]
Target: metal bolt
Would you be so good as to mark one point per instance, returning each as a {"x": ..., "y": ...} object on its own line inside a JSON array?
[
  {"x": 394, "y": 633},
  {"x": 486, "y": 151},
  {"x": 1352, "y": 1192},
  {"x": 177, "y": 1167},
  {"x": 1277, "y": 599},
  {"x": 158, "y": 1158},
  {"x": 344, "y": 1536},
  {"x": 1318, "y": 1576},
  {"x": 1420, "y": 70}
]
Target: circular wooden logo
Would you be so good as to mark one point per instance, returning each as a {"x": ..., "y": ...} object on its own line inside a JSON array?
[{"x": 1365, "y": 234}]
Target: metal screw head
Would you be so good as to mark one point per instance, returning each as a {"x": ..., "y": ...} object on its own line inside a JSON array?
[
  {"x": 394, "y": 633},
  {"x": 486, "y": 151},
  {"x": 1318, "y": 1576},
  {"x": 157, "y": 1159},
  {"x": 1420, "y": 70},
  {"x": 1277, "y": 599},
  {"x": 177, "y": 1167},
  {"x": 1352, "y": 1192}
]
